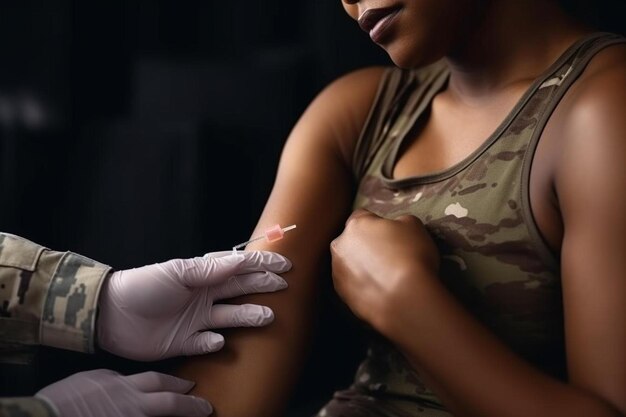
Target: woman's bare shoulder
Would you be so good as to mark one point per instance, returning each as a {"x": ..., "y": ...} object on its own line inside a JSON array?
[
  {"x": 343, "y": 105},
  {"x": 362, "y": 80},
  {"x": 600, "y": 93},
  {"x": 590, "y": 133},
  {"x": 594, "y": 106}
]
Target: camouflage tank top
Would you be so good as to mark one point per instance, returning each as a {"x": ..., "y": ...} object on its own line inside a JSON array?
[{"x": 494, "y": 259}]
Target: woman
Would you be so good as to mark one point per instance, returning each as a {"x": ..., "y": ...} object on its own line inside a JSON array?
[{"x": 505, "y": 137}]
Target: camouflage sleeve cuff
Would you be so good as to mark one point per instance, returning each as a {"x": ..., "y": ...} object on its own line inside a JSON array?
[
  {"x": 26, "y": 407},
  {"x": 46, "y": 297},
  {"x": 69, "y": 312}
]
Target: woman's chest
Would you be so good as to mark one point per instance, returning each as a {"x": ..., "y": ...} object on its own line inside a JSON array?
[{"x": 489, "y": 260}]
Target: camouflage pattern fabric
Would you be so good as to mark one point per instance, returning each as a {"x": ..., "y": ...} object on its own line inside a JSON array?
[
  {"x": 494, "y": 259},
  {"x": 46, "y": 298},
  {"x": 355, "y": 403},
  {"x": 25, "y": 407}
]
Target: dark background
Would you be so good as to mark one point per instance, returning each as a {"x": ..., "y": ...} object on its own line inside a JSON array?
[{"x": 137, "y": 131}]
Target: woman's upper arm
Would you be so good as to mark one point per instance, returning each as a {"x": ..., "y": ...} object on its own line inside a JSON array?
[
  {"x": 255, "y": 370},
  {"x": 591, "y": 184}
]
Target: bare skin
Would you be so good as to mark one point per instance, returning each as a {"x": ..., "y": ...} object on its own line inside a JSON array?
[
  {"x": 577, "y": 203},
  {"x": 255, "y": 371},
  {"x": 495, "y": 49}
]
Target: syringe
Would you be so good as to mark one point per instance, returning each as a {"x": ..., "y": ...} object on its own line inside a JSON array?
[{"x": 271, "y": 234}]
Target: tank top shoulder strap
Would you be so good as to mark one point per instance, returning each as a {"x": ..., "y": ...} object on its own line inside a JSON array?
[
  {"x": 402, "y": 95},
  {"x": 570, "y": 70},
  {"x": 558, "y": 85}
]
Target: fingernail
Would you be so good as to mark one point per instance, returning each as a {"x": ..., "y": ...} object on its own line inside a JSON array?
[
  {"x": 281, "y": 283},
  {"x": 188, "y": 384},
  {"x": 256, "y": 315},
  {"x": 216, "y": 341},
  {"x": 278, "y": 261},
  {"x": 205, "y": 407},
  {"x": 287, "y": 264},
  {"x": 265, "y": 317},
  {"x": 267, "y": 312}
]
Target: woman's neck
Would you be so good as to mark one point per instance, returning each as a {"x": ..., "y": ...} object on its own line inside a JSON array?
[{"x": 515, "y": 42}]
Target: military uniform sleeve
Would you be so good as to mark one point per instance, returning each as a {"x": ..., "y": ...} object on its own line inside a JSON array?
[
  {"x": 26, "y": 407},
  {"x": 47, "y": 297}
]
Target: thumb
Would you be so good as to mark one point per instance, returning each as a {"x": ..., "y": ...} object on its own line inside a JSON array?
[{"x": 202, "y": 342}]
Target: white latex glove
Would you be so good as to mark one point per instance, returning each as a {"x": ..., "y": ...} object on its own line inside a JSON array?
[
  {"x": 104, "y": 393},
  {"x": 163, "y": 310}
]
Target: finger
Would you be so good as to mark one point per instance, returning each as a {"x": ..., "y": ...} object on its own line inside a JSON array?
[
  {"x": 408, "y": 218},
  {"x": 203, "y": 342},
  {"x": 257, "y": 261},
  {"x": 334, "y": 246},
  {"x": 220, "y": 254},
  {"x": 156, "y": 381},
  {"x": 175, "y": 405},
  {"x": 203, "y": 272},
  {"x": 210, "y": 271},
  {"x": 359, "y": 213},
  {"x": 252, "y": 283},
  {"x": 263, "y": 261},
  {"x": 245, "y": 315}
]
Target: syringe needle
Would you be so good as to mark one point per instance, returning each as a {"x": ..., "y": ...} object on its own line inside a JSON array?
[
  {"x": 271, "y": 234},
  {"x": 241, "y": 245}
]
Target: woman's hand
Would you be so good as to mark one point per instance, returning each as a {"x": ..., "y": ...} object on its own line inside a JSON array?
[{"x": 377, "y": 261}]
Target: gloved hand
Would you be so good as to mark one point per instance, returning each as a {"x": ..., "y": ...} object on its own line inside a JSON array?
[
  {"x": 163, "y": 310},
  {"x": 104, "y": 393}
]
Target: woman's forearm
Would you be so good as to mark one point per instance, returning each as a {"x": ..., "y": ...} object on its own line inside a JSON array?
[{"x": 469, "y": 366}]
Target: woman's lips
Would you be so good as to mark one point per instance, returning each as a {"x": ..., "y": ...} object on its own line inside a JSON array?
[{"x": 377, "y": 21}]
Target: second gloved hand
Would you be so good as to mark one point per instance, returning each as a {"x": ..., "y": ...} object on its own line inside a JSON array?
[
  {"x": 164, "y": 310},
  {"x": 105, "y": 393}
]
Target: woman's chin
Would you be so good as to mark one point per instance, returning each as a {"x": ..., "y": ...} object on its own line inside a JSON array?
[
  {"x": 411, "y": 61},
  {"x": 407, "y": 55}
]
